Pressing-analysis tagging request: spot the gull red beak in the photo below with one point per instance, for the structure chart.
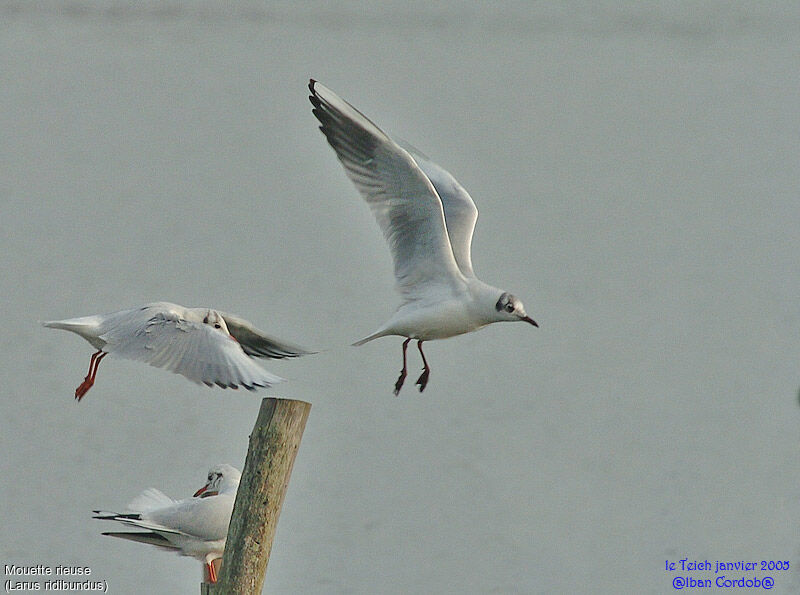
(201, 491)
(531, 321)
(204, 492)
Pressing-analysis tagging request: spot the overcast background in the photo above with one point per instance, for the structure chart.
(636, 169)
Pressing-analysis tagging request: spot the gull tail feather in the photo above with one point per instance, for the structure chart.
(85, 326)
(375, 335)
(70, 324)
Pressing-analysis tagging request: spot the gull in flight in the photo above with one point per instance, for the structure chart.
(206, 346)
(196, 526)
(427, 219)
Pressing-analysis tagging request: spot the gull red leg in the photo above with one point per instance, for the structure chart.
(87, 383)
(426, 371)
(212, 572)
(399, 384)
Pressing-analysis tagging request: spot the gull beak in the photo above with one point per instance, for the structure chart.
(530, 320)
(201, 491)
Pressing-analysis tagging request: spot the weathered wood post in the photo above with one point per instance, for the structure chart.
(273, 445)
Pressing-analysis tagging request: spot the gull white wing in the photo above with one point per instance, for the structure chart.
(402, 198)
(150, 499)
(204, 519)
(256, 343)
(164, 339)
(460, 212)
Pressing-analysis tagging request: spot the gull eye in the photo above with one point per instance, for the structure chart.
(509, 307)
(217, 325)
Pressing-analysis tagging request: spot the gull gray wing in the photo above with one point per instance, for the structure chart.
(200, 353)
(256, 343)
(460, 212)
(402, 198)
(144, 537)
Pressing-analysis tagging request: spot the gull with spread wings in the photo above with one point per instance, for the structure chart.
(427, 219)
(206, 346)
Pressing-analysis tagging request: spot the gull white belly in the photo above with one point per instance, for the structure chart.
(435, 321)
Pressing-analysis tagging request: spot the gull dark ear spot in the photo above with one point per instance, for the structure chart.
(205, 320)
(501, 303)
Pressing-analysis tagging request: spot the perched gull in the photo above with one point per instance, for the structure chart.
(204, 345)
(196, 526)
(427, 218)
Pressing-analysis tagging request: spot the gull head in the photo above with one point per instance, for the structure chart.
(509, 308)
(215, 320)
(221, 479)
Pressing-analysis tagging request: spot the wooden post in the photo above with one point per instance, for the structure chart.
(273, 445)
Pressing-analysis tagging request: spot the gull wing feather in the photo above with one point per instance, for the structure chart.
(460, 212)
(134, 520)
(164, 339)
(148, 537)
(256, 343)
(402, 198)
(150, 499)
(201, 518)
(205, 519)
